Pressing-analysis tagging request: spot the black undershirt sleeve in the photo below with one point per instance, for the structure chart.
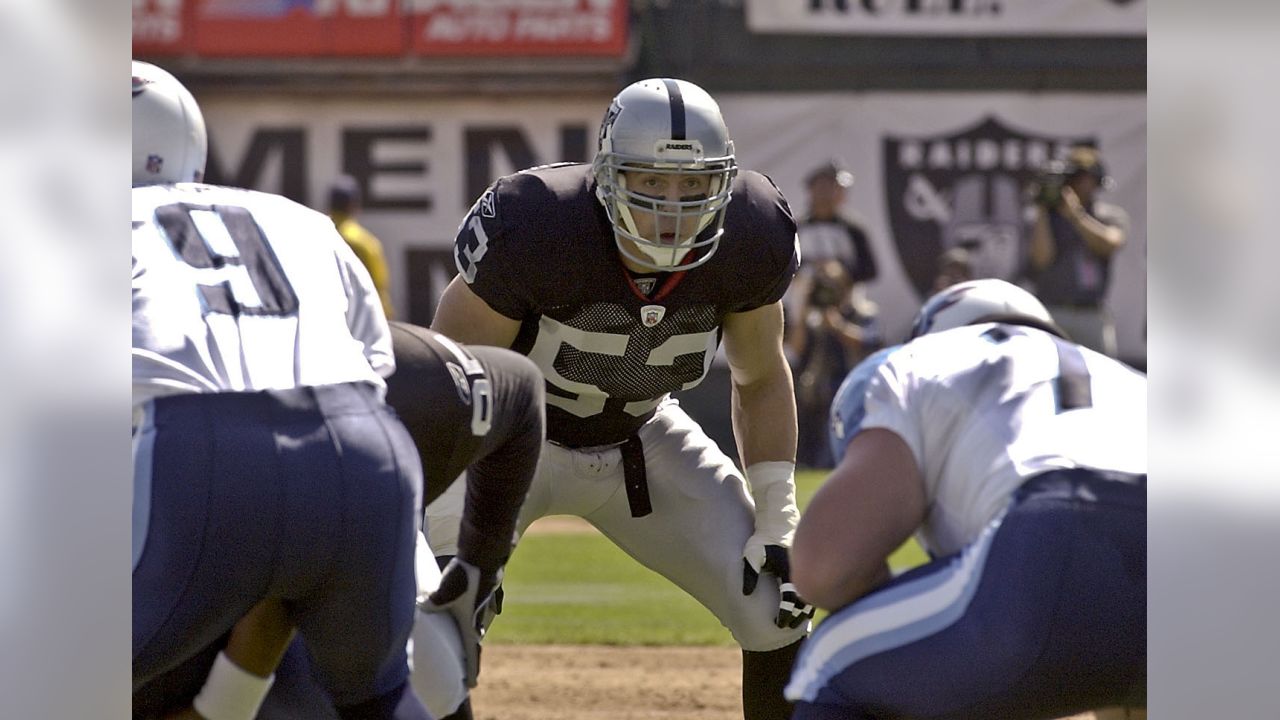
(499, 475)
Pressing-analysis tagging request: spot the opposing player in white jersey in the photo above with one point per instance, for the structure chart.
(1019, 460)
(268, 469)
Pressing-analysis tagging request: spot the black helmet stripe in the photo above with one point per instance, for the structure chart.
(677, 109)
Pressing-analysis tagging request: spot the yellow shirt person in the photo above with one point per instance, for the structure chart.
(344, 205)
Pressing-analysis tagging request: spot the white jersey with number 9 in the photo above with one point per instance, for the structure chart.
(259, 293)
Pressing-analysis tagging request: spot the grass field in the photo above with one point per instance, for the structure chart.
(577, 588)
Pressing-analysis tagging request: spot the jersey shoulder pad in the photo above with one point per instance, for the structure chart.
(759, 213)
(516, 231)
(760, 235)
(515, 219)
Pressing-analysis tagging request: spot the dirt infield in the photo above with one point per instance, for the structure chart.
(595, 682)
(590, 682)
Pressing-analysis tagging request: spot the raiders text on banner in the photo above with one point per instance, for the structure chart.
(948, 17)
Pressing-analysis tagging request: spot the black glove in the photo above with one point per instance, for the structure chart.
(468, 595)
(792, 609)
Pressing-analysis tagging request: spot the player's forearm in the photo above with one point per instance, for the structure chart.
(844, 583)
(496, 488)
(764, 418)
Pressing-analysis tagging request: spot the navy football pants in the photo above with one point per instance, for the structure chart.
(1043, 616)
(308, 495)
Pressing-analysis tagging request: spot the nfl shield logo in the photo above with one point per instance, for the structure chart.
(964, 189)
(154, 163)
(651, 315)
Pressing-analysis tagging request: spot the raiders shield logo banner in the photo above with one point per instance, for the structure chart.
(964, 189)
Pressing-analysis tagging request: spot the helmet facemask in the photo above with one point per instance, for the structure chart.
(694, 222)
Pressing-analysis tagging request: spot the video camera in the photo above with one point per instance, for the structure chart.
(826, 292)
(1046, 189)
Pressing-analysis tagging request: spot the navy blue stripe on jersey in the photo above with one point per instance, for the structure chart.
(677, 110)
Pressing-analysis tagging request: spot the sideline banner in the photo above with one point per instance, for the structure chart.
(948, 17)
(518, 27)
(353, 28)
(932, 170)
(935, 170)
(420, 163)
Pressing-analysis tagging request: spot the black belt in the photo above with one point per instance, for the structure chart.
(635, 477)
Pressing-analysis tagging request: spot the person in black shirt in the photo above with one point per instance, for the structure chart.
(1074, 237)
(831, 325)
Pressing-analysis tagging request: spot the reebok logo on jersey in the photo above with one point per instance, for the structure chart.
(487, 208)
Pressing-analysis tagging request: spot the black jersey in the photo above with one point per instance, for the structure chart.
(470, 408)
(538, 247)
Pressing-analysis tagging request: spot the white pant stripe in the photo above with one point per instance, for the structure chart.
(868, 627)
(144, 439)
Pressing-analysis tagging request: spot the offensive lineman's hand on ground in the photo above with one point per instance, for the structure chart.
(773, 559)
(467, 594)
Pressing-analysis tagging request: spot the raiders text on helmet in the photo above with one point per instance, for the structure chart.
(669, 127)
(169, 140)
(977, 301)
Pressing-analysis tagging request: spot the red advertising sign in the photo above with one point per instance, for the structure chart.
(284, 28)
(344, 28)
(518, 27)
(159, 27)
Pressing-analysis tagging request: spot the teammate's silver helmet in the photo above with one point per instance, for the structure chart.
(661, 125)
(169, 139)
(976, 301)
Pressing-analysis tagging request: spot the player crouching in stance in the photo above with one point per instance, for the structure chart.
(618, 279)
(1019, 460)
(478, 409)
(269, 474)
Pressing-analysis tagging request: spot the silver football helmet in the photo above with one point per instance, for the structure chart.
(669, 128)
(976, 301)
(170, 143)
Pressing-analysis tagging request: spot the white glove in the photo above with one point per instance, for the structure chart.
(467, 594)
(773, 487)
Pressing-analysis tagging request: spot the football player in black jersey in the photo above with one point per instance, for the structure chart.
(619, 279)
(473, 408)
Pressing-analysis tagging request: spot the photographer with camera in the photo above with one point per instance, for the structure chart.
(831, 325)
(830, 331)
(1073, 239)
